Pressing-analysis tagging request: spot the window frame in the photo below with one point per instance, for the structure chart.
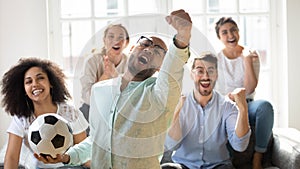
(276, 40)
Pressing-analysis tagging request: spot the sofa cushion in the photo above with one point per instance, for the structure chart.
(286, 149)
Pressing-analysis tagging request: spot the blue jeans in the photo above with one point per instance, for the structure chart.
(261, 115)
(85, 108)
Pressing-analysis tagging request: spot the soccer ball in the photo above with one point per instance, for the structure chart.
(50, 134)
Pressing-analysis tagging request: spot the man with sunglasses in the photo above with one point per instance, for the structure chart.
(129, 114)
(204, 121)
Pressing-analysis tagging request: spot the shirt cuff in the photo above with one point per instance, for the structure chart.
(80, 153)
(170, 143)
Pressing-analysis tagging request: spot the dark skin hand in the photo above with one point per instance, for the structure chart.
(65, 158)
(181, 21)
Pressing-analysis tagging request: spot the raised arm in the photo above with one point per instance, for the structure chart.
(171, 72)
(182, 23)
(251, 75)
(242, 123)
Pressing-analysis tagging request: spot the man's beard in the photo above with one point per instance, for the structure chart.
(144, 74)
(205, 92)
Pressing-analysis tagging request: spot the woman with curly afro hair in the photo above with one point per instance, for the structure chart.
(31, 88)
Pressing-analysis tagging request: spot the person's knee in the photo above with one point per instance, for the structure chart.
(266, 109)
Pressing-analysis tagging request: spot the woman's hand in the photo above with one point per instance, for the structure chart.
(110, 70)
(250, 56)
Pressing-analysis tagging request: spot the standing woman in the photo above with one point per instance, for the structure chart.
(239, 67)
(31, 88)
(104, 65)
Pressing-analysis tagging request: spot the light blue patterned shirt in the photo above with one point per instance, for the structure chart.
(205, 133)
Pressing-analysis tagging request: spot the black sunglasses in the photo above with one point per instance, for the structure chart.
(144, 41)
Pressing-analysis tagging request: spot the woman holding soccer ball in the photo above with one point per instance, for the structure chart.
(31, 88)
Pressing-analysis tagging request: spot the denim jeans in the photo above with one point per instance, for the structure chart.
(261, 115)
(85, 108)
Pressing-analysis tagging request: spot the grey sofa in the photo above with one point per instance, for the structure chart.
(283, 151)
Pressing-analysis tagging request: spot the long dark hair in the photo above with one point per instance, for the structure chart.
(15, 101)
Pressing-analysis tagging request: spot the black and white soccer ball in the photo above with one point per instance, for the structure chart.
(50, 134)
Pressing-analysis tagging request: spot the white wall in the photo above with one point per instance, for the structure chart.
(23, 32)
(293, 37)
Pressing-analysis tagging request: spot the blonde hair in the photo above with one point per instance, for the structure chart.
(103, 51)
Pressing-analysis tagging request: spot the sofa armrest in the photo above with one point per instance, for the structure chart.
(286, 148)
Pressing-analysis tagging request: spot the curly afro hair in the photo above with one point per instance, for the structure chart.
(15, 101)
